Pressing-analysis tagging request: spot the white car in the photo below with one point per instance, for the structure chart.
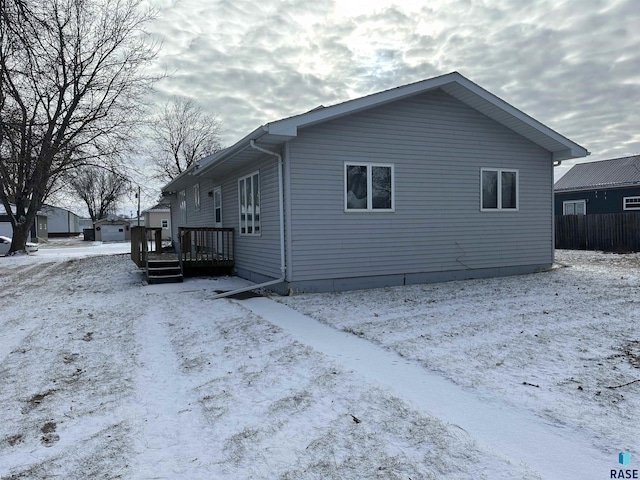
(5, 244)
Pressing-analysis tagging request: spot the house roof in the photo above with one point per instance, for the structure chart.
(612, 173)
(113, 221)
(3, 211)
(272, 135)
(46, 208)
(159, 207)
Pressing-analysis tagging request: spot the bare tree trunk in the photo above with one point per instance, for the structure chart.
(20, 237)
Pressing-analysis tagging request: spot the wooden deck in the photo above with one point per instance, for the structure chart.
(207, 249)
(200, 250)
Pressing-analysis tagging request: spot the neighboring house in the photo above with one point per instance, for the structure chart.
(112, 230)
(61, 222)
(38, 231)
(85, 223)
(431, 181)
(159, 216)
(606, 186)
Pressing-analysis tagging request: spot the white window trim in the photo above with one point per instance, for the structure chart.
(499, 207)
(253, 217)
(196, 197)
(164, 221)
(564, 205)
(624, 203)
(370, 208)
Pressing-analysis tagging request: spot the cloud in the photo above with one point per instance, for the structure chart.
(575, 68)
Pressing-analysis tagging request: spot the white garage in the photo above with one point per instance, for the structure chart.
(113, 233)
(117, 230)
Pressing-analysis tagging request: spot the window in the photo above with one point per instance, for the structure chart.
(498, 189)
(164, 223)
(574, 207)
(249, 195)
(368, 187)
(196, 197)
(631, 203)
(217, 206)
(182, 200)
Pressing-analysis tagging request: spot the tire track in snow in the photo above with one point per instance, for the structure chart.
(14, 335)
(175, 435)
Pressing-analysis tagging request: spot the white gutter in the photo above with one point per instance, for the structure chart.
(283, 267)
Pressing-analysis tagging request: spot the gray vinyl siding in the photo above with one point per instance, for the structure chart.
(175, 216)
(253, 254)
(438, 146)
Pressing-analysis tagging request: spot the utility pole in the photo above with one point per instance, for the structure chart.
(138, 197)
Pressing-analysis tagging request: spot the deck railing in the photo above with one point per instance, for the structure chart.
(206, 247)
(144, 241)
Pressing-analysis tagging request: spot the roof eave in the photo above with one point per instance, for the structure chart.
(570, 153)
(205, 164)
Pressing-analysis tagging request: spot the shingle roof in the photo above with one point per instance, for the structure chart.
(272, 136)
(616, 172)
(159, 207)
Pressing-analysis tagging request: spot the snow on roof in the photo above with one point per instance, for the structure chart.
(159, 207)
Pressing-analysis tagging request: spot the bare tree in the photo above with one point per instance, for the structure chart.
(100, 189)
(72, 76)
(182, 135)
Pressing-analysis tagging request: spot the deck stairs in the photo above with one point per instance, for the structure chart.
(164, 270)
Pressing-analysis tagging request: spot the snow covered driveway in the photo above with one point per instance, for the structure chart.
(103, 377)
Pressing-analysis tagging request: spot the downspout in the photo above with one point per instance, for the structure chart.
(283, 268)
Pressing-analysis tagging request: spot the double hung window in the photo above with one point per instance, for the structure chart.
(182, 201)
(249, 194)
(196, 197)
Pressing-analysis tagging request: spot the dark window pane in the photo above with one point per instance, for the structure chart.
(381, 187)
(489, 189)
(356, 187)
(509, 190)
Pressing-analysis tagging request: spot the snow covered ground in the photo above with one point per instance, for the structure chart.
(104, 377)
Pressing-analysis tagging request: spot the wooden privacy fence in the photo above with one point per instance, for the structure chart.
(603, 231)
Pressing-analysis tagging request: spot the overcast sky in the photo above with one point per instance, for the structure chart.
(573, 65)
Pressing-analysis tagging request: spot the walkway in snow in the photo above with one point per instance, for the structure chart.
(514, 433)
